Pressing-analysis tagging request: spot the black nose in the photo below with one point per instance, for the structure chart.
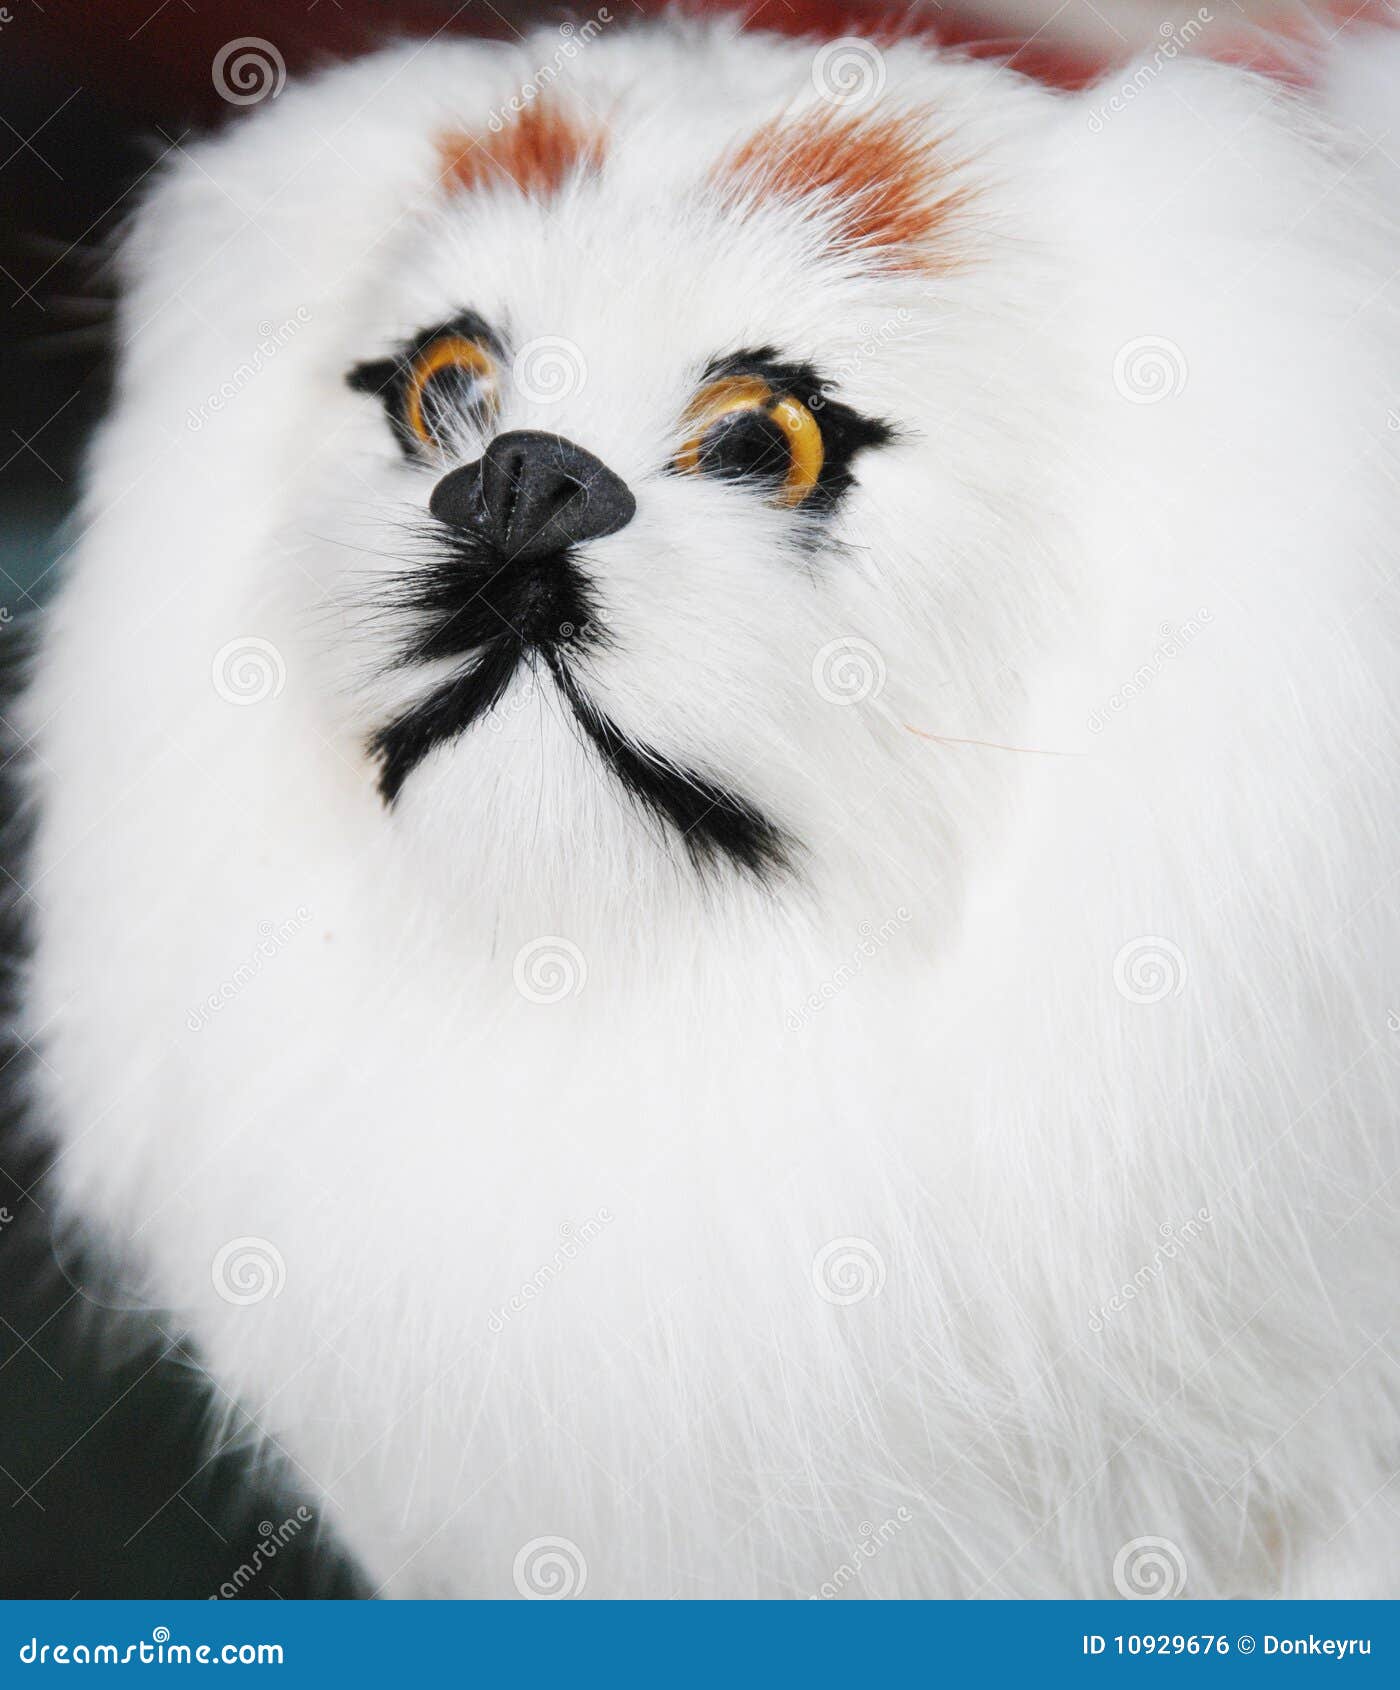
(533, 494)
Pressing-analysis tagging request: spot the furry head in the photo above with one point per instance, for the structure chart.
(712, 315)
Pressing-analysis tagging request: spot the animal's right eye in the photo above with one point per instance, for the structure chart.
(446, 379)
(450, 377)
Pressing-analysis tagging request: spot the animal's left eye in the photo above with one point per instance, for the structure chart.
(451, 375)
(738, 427)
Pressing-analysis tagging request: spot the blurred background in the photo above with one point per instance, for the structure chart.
(106, 1479)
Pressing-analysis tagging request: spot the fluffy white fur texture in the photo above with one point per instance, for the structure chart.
(1009, 1184)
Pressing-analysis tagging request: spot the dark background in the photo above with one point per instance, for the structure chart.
(106, 1482)
(107, 1486)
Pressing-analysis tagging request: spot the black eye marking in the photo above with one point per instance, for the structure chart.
(845, 431)
(390, 379)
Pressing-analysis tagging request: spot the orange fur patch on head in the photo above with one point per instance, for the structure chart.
(536, 152)
(878, 177)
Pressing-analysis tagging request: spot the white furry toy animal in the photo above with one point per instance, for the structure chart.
(731, 926)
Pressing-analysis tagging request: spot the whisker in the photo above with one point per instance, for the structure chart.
(989, 744)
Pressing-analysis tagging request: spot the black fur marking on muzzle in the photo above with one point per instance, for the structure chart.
(500, 617)
(495, 615)
(714, 825)
(445, 714)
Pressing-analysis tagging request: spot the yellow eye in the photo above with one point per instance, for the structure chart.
(738, 428)
(451, 375)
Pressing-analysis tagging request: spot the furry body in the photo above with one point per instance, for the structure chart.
(721, 1224)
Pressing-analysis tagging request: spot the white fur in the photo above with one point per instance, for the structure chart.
(927, 1040)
